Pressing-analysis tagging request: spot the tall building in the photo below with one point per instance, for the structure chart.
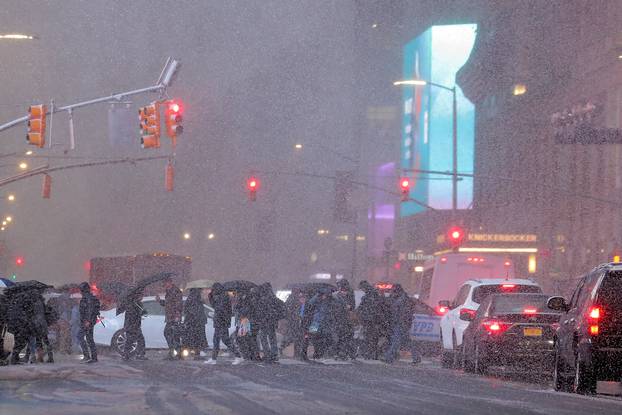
(529, 65)
(549, 204)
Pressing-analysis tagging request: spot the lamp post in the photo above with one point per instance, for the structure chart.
(454, 176)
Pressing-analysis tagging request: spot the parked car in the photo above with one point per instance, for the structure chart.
(588, 343)
(511, 330)
(109, 329)
(463, 308)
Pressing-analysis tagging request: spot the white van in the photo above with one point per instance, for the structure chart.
(445, 274)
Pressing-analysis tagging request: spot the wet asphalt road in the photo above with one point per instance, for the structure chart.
(191, 387)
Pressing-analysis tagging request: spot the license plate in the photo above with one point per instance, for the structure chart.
(532, 331)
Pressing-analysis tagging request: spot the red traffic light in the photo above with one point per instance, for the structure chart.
(19, 261)
(253, 185)
(405, 187)
(405, 183)
(455, 235)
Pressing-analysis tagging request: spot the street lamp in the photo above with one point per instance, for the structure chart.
(186, 235)
(454, 178)
(29, 153)
(211, 236)
(298, 146)
(9, 219)
(23, 165)
(11, 198)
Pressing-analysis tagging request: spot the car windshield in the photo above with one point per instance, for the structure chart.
(519, 303)
(484, 291)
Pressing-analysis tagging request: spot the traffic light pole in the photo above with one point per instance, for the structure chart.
(164, 81)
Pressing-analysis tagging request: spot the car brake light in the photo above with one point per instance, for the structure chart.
(595, 313)
(508, 286)
(530, 311)
(441, 310)
(494, 326)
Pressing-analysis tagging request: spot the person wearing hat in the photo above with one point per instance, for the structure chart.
(89, 312)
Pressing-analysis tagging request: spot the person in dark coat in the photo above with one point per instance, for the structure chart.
(269, 310)
(134, 311)
(89, 311)
(173, 308)
(223, 312)
(370, 315)
(402, 308)
(317, 323)
(194, 323)
(294, 326)
(26, 320)
(342, 311)
(246, 324)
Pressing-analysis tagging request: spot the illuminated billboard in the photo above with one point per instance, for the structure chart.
(436, 56)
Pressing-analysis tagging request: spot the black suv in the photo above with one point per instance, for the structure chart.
(588, 343)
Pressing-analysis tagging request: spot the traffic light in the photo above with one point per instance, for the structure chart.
(19, 261)
(173, 117)
(405, 188)
(149, 117)
(36, 125)
(253, 185)
(455, 235)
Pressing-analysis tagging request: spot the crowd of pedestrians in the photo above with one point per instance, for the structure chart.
(313, 315)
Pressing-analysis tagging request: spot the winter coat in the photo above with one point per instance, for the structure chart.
(134, 311)
(317, 314)
(173, 304)
(89, 309)
(194, 322)
(221, 303)
(370, 309)
(269, 309)
(401, 312)
(26, 314)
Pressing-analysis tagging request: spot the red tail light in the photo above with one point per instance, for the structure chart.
(441, 310)
(530, 311)
(594, 315)
(494, 326)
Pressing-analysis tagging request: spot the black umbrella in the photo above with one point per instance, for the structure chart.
(238, 285)
(140, 286)
(25, 286)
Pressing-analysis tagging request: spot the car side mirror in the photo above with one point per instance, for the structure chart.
(558, 304)
(467, 315)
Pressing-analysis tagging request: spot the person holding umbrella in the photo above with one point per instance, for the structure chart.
(134, 311)
(194, 323)
(89, 312)
(173, 308)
